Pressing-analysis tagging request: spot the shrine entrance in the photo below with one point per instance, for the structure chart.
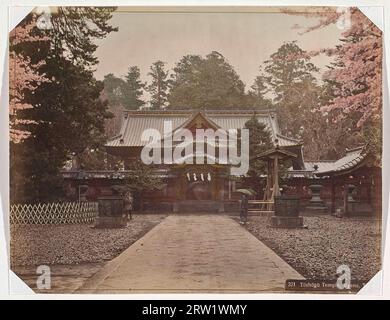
(199, 184)
(199, 188)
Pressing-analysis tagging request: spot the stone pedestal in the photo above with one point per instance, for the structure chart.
(316, 205)
(357, 208)
(287, 212)
(111, 212)
(286, 222)
(287, 206)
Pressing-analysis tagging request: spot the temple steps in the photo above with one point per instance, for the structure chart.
(196, 206)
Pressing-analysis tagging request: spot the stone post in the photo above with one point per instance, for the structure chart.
(111, 212)
(351, 189)
(83, 189)
(353, 206)
(287, 211)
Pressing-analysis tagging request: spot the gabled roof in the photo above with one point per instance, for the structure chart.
(198, 116)
(135, 122)
(282, 154)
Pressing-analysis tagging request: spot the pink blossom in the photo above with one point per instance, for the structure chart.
(23, 76)
(360, 60)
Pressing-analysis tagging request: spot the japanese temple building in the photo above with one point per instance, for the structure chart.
(211, 187)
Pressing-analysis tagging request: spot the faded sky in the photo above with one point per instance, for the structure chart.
(245, 39)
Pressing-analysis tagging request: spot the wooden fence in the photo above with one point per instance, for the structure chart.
(54, 213)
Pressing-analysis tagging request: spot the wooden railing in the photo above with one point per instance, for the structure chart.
(262, 207)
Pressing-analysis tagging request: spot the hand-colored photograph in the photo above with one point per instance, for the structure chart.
(195, 149)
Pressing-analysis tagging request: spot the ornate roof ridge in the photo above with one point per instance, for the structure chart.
(135, 121)
(361, 147)
(315, 161)
(288, 138)
(204, 111)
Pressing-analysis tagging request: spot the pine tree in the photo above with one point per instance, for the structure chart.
(288, 73)
(259, 142)
(133, 89)
(206, 83)
(67, 114)
(158, 89)
(291, 79)
(258, 92)
(114, 88)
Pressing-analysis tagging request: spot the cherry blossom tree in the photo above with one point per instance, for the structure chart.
(356, 73)
(23, 76)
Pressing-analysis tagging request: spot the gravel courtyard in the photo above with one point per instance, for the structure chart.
(75, 252)
(328, 242)
(33, 245)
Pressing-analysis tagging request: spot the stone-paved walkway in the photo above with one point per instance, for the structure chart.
(194, 253)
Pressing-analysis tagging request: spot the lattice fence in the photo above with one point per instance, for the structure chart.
(54, 213)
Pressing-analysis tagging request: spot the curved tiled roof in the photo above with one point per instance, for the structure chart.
(135, 122)
(353, 157)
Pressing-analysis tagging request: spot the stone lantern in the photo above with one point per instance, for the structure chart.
(316, 205)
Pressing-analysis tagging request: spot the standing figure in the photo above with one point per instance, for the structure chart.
(244, 209)
(128, 201)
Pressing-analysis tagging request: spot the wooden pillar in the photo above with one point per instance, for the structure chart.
(221, 206)
(265, 195)
(215, 180)
(345, 200)
(179, 190)
(222, 184)
(269, 183)
(276, 191)
(333, 198)
(269, 180)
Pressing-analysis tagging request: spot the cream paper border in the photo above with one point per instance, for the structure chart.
(12, 287)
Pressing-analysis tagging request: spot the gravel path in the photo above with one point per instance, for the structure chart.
(328, 242)
(33, 245)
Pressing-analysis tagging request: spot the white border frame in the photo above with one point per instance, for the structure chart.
(4, 154)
